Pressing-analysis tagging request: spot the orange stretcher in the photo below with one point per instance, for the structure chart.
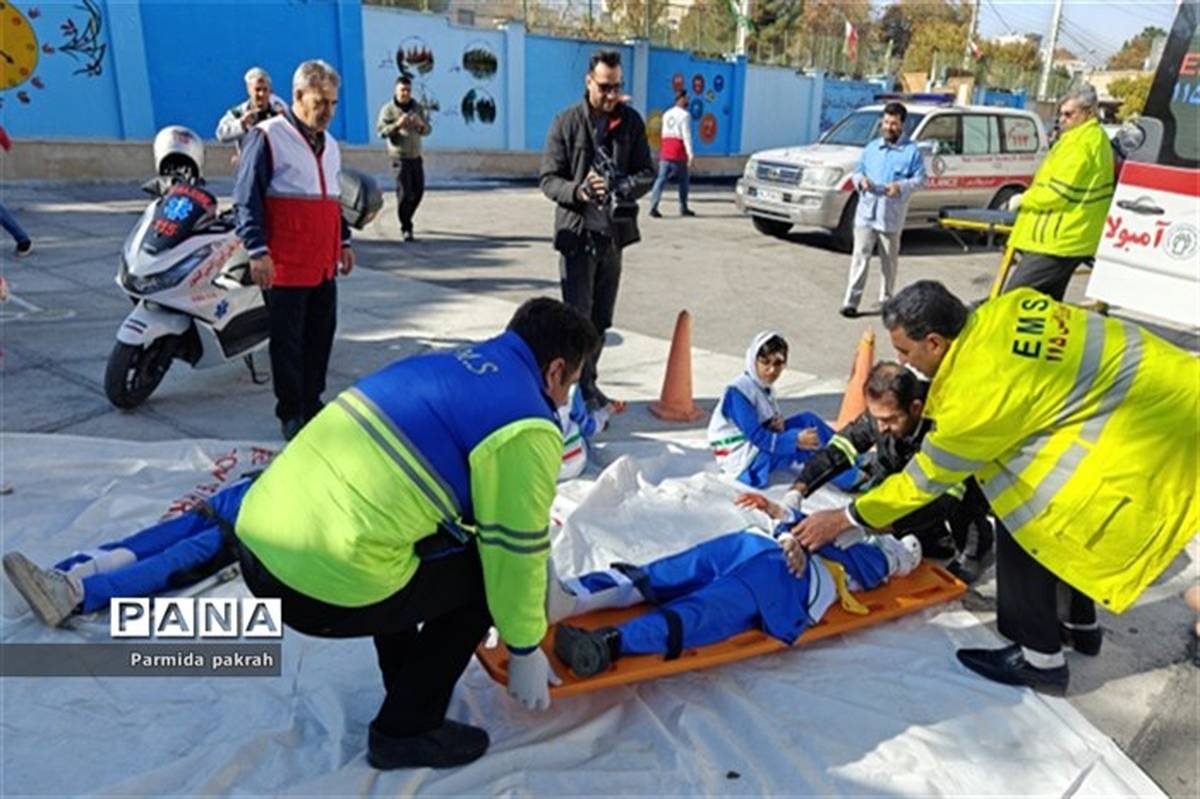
(927, 586)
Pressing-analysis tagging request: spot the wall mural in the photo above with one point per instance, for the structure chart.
(24, 43)
(415, 59)
(478, 105)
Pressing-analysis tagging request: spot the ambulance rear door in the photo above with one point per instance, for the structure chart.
(1149, 256)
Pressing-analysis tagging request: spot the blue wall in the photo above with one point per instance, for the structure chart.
(200, 51)
(843, 96)
(60, 84)
(712, 98)
(120, 69)
(554, 79)
(780, 108)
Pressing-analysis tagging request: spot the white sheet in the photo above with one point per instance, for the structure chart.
(885, 711)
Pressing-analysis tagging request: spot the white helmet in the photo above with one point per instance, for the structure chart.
(178, 151)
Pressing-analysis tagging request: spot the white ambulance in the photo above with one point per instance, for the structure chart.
(1149, 256)
(976, 156)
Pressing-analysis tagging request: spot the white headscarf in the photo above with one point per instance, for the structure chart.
(749, 383)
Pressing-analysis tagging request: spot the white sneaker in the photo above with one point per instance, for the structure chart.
(560, 603)
(903, 555)
(51, 594)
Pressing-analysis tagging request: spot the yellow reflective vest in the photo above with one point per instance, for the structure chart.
(1063, 211)
(1083, 431)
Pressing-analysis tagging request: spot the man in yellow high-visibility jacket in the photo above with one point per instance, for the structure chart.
(1082, 432)
(1061, 216)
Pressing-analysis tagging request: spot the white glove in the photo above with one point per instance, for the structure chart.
(529, 678)
(1014, 202)
(793, 499)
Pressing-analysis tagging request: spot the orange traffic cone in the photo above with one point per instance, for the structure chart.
(853, 401)
(675, 404)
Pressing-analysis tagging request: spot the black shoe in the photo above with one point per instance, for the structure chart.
(408, 236)
(1084, 640)
(24, 248)
(1008, 665)
(969, 569)
(452, 744)
(849, 311)
(654, 213)
(587, 652)
(291, 427)
(686, 212)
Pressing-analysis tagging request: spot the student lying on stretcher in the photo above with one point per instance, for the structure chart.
(717, 589)
(166, 556)
(748, 433)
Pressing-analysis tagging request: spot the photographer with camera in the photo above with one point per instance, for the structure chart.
(262, 104)
(596, 165)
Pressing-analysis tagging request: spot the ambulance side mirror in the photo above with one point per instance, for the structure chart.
(1141, 140)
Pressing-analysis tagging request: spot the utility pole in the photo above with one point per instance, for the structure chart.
(967, 54)
(1051, 46)
(743, 17)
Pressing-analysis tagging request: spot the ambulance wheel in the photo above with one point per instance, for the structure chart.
(771, 227)
(133, 372)
(1000, 201)
(843, 234)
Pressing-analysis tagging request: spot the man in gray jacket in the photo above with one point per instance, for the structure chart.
(596, 164)
(403, 122)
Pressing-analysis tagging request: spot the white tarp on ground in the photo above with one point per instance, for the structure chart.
(884, 711)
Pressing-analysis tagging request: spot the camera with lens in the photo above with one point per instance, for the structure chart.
(618, 199)
(261, 114)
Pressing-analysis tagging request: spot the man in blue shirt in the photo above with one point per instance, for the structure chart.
(888, 172)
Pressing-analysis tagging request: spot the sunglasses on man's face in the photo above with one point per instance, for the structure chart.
(608, 88)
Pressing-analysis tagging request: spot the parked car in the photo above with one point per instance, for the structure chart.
(974, 155)
(1148, 258)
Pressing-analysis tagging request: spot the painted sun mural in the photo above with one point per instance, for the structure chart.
(23, 44)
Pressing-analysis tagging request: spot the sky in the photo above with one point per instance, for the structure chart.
(1091, 29)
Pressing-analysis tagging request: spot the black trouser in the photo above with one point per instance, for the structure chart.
(590, 279)
(1049, 274)
(1030, 599)
(964, 519)
(302, 324)
(419, 666)
(410, 188)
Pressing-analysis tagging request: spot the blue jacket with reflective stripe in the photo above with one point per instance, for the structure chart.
(461, 397)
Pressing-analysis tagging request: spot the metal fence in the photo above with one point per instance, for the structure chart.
(705, 27)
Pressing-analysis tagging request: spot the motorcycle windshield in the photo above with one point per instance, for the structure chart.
(176, 215)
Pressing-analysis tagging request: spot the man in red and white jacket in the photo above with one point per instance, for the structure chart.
(675, 155)
(289, 218)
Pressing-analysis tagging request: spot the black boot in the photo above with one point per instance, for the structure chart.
(587, 652)
(1008, 665)
(452, 744)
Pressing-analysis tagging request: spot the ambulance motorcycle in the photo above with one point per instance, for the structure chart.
(189, 276)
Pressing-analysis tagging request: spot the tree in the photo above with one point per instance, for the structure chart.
(896, 28)
(947, 39)
(708, 27)
(1132, 92)
(639, 18)
(1133, 53)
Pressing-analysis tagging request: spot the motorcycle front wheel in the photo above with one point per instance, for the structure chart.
(134, 372)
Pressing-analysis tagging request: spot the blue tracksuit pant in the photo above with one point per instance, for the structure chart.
(731, 584)
(758, 473)
(164, 551)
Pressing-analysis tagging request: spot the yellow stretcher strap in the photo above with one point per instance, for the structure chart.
(849, 602)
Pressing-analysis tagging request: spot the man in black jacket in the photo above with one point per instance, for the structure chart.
(596, 164)
(890, 431)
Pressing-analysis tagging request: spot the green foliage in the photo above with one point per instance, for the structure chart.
(1135, 51)
(1132, 92)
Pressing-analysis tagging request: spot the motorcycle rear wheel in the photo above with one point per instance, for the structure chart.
(133, 372)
